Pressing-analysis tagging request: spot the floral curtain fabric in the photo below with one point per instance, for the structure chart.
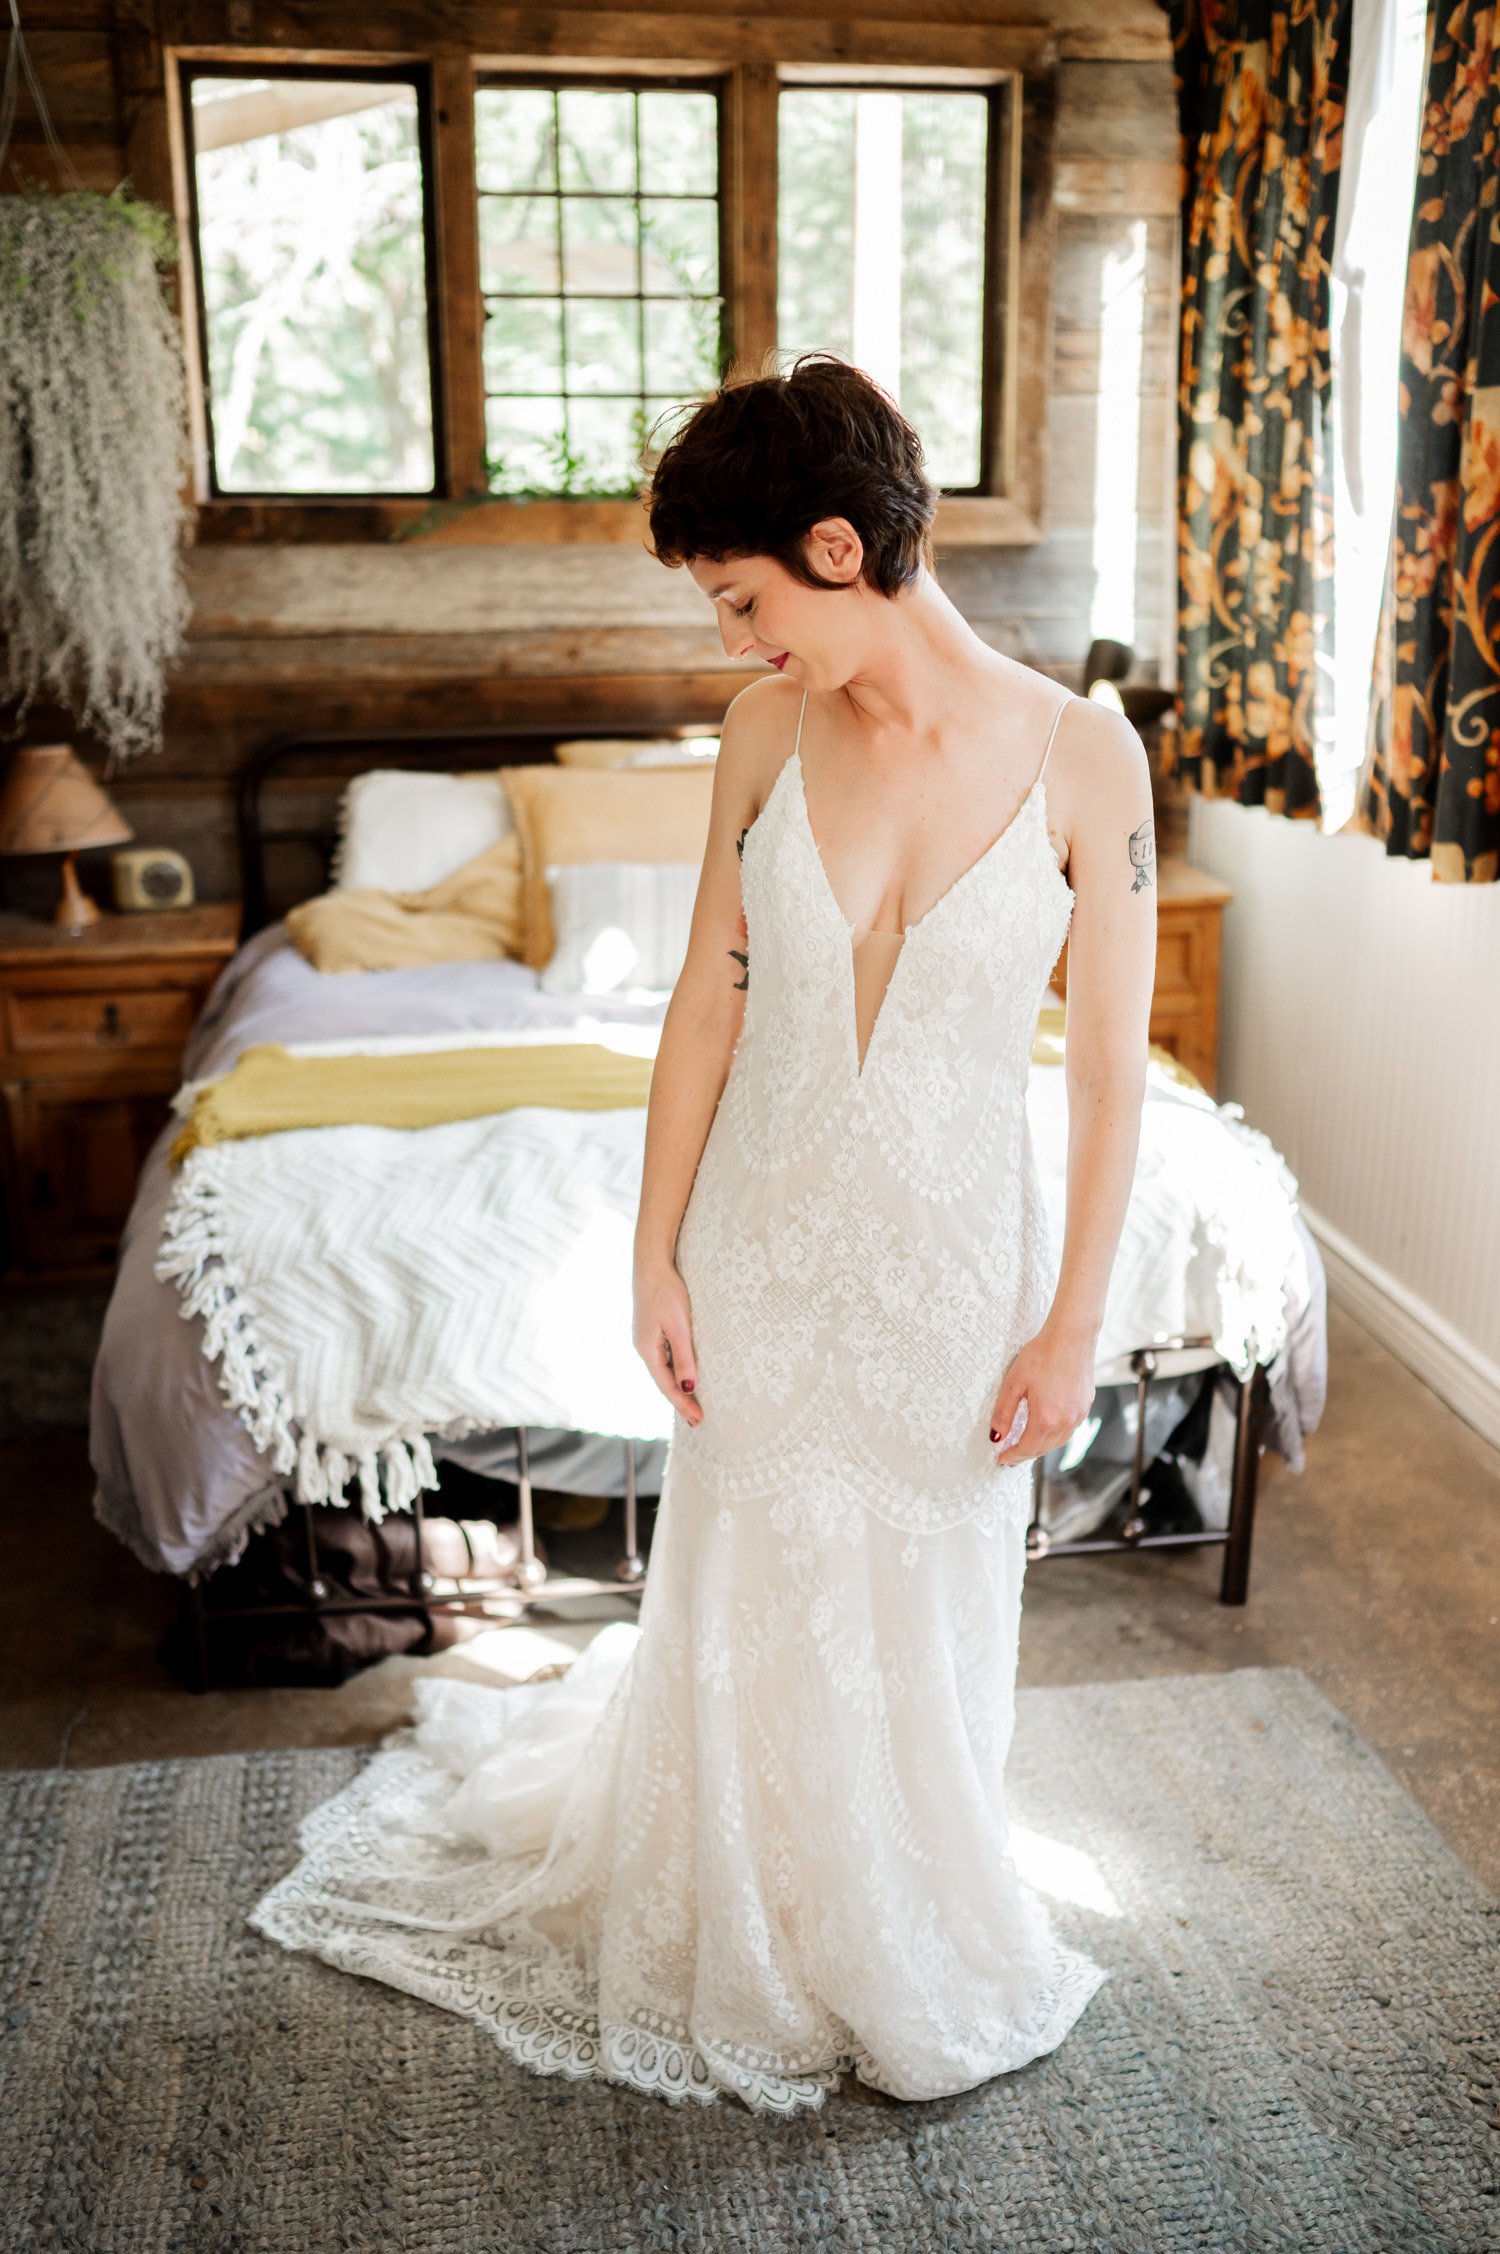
(1430, 786)
(1260, 95)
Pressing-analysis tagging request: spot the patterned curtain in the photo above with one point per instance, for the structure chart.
(1260, 97)
(1431, 779)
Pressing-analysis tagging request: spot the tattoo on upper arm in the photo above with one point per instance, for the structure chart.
(1143, 855)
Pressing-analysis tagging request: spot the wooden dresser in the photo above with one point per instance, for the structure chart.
(1190, 906)
(92, 1027)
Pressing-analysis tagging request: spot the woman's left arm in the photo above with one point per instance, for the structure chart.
(1106, 805)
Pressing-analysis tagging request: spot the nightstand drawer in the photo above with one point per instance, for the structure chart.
(1183, 938)
(153, 1018)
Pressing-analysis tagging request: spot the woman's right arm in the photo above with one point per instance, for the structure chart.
(698, 1034)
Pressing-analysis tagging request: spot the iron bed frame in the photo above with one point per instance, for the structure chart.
(534, 1589)
(531, 1587)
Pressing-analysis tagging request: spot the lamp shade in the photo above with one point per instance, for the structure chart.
(50, 803)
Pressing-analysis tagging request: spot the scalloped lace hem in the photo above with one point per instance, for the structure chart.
(568, 2041)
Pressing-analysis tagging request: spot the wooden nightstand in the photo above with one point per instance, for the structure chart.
(92, 1027)
(1190, 906)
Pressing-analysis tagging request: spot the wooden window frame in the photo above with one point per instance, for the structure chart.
(376, 71)
(750, 59)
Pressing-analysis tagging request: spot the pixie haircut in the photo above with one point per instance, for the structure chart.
(759, 462)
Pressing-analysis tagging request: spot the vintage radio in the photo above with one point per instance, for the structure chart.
(151, 876)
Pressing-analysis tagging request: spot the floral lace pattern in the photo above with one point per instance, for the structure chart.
(866, 1249)
(761, 1840)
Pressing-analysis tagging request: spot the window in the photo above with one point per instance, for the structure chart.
(883, 224)
(599, 246)
(311, 229)
(432, 283)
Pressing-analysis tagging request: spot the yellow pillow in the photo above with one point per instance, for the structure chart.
(567, 815)
(473, 916)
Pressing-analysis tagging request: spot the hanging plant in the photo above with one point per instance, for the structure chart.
(93, 462)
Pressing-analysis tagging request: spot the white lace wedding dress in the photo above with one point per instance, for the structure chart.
(762, 1838)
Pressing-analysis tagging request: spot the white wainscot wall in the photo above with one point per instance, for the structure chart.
(1361, 1032)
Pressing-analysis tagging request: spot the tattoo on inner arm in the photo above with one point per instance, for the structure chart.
(736, 955)
(1143, 855)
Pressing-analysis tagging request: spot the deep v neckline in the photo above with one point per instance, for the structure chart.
(908, 931)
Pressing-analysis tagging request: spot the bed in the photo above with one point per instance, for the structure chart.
(1214, 1345)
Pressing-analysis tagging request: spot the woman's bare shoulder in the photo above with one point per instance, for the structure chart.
(760, 730)
(1098, 752)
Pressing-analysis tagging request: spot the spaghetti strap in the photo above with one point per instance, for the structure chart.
(1052, 732)
(801, 716)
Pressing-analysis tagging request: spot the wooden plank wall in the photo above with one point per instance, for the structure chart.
(409, 635)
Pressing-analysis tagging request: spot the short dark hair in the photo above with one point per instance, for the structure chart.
(760, 461)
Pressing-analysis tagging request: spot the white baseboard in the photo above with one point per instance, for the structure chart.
(1415, 1333)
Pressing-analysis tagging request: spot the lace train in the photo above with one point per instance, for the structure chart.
(747, 1847)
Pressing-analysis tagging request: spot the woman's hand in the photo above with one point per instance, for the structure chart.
(1054, 1374)
(664, 1337)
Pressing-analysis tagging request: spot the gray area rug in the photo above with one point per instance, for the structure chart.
(1297, 2049)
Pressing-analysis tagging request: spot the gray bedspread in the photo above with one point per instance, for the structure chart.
(178, 1477)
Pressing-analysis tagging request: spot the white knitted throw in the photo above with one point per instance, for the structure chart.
(364, 1289)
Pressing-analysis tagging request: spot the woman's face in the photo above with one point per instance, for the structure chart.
(817, 636)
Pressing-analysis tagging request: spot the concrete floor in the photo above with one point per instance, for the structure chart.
(1377, 1572)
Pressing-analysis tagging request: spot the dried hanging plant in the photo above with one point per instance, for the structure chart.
(92, 462)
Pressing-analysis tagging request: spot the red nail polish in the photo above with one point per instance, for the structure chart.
(994, 1435)
(687, 1385)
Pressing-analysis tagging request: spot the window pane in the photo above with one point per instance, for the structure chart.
(599, 245)
(815, 223)
(523, 345)
(311, 234)
(881, 216)
(513, 138)
(637, 280)
(942, 278)
(604, 344)
(681, 247)
(524, 440)
(605, 442)
(597, 139)
(682, 344)
(518, 244)
(679, 144)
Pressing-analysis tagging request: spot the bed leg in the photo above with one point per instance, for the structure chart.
(196, 1619)
(422, 1583)
(1236, 1578)
(530, 1572)
(631, 1569)
(317, 1587)
(1143, 1362)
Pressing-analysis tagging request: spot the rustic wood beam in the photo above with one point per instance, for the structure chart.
(497, 34)
(749, 173)
(456, 282)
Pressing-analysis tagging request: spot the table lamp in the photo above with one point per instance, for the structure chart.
(50, 803)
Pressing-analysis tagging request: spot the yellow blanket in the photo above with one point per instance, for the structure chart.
(269, 1090)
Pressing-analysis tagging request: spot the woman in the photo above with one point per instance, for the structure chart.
(762, 1839)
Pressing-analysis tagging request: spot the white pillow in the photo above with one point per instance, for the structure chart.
(401, 830)
(634, 751)
(621, 926)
